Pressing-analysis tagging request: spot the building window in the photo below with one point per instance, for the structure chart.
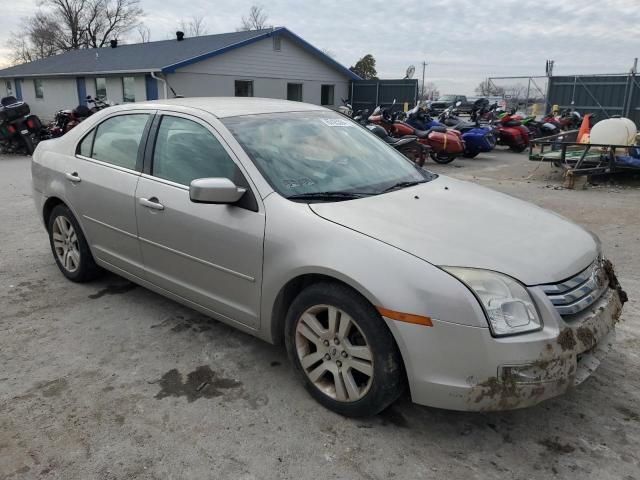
(326, 95)
(101, 88)
(128, 89)
(37, 86)
(244, 88)
(277, 43)
(294, 92)
(9, 89)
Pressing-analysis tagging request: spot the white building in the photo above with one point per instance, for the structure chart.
(273, 63)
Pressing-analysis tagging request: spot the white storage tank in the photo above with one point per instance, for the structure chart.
(614, 131)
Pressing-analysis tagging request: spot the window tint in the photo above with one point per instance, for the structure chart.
(37, 86)
(244, 88)
(101, 88)
(185, 150)
(118, 139)
(128, 89)
(294, 92)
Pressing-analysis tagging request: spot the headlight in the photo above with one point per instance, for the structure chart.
(507, 304)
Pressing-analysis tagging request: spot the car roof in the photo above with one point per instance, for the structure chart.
(223, 107)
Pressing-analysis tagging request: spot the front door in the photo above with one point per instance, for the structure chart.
(208, 254)
(101, 182)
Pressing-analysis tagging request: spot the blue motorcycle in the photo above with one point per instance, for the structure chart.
(476, 138)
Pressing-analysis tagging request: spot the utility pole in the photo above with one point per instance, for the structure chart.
(424, 66)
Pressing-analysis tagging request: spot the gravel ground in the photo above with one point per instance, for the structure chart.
(99, 381)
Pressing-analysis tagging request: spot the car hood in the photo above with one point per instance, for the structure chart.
(449, 222)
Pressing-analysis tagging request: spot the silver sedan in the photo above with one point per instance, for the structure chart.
(295, 224)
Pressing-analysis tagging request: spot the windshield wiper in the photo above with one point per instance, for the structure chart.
(328, 195)
(400, 185)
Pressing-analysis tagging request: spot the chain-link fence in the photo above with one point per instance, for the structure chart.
(525, 94)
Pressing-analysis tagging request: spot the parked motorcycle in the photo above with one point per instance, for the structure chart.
(477, 138)
(66, 119)
(445, 145)
(20, 131)
(511, 133)
(407, 145)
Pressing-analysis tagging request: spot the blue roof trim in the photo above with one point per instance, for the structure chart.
(282, 31)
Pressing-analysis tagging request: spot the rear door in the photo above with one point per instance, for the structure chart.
(101, 182)
(208, 254)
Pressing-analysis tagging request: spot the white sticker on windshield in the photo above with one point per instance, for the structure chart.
(336, 122)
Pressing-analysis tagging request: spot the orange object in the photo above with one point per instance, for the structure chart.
(583, 133)
(405, 317)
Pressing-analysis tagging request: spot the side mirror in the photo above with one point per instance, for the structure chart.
(215, 190)
(458, 103)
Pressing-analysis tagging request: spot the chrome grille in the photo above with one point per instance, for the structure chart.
(580, 291)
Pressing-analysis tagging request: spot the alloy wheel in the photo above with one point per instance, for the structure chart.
(334, 353)
(65, 244)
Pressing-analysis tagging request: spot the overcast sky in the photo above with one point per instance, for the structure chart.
(463, 41)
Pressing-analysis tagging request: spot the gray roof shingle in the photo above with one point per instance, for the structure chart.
(165, 55)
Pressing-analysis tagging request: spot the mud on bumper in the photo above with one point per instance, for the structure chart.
(576, 353)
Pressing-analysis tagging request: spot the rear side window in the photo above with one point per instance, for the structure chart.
(117, 140)
(84, 148)
(185, 150)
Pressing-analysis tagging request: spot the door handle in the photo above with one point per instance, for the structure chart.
(152, 203)
(73, 177)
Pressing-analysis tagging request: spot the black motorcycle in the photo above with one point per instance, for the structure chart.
(20, 131)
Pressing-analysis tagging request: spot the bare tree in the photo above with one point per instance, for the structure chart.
(487, 88)
(256, 20)
(144, 33)
(105, 20)
(430, 90)
(64, 25)
(194, 27)
(36, 39)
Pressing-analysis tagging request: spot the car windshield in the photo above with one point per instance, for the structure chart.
(322, 154)
(447, 98)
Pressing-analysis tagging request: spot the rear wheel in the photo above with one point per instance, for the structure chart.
(518, 148)
(344, 351)
(442, 157)
(70, 249)
(470, 154)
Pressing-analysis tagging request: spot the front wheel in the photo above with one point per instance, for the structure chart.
(69, 247)
(344, 351)
(470, 154)
(518, 148)
(442, 157)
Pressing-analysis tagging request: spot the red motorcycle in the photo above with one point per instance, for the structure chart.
(510, 132)
(445, 144)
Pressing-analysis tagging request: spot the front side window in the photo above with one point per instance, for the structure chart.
(294, 92)
(128, 89)
(244, 88)
(185, 150)
(37, 86)
(326, 95)
(117, 140)
(101, 88)
(305, 153)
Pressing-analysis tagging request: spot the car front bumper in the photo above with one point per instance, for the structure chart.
(458, 367)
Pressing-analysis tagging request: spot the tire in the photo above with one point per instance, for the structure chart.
(69, 246)
(518, 148)
(378, 378)
(442, 157)
(470, 154)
